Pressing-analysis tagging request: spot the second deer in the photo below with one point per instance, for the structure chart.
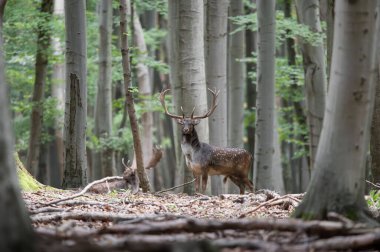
(204, 159)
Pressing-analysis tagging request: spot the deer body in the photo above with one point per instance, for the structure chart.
(204, 159)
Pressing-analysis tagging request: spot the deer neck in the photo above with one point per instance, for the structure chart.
(191, 139)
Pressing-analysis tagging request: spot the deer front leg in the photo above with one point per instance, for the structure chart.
(197, 182)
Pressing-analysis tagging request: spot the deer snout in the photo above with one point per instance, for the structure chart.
(186, 130)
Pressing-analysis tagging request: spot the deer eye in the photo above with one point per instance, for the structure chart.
(196, 121)
(180, 121)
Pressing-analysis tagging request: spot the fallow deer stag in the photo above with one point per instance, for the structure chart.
(204, 159)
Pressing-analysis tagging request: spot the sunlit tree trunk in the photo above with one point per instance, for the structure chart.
(176, 86)
(144, 182)
(58, 92)
(16, 231)
(236, 83)
(145, 89)
(43, 44)
(337, 184)
(265, 104)
(315, 73)
(103, 164)
(216, 74)
(75, 174)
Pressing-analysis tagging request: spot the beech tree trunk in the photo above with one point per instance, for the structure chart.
(43, 44)
(103, 164)
(145, 90)
(216, 75)
(315, 73)
(58, 92)
(265, 104)
(236, 83)
(16, 231)
(144, 183)
(176, 86)
(75, 174)
(337, 184)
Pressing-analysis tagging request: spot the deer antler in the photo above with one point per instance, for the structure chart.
(212, 108)
(162, 100)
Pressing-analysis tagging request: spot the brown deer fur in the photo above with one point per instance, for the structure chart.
(207, 160)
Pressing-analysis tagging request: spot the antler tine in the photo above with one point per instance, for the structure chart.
(192, 112)
(162, 100)
(213, 106)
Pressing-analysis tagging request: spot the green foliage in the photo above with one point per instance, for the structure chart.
(285, 28)
(147, 5)
(374, 199)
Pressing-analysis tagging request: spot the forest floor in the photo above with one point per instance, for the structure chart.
(121, 221)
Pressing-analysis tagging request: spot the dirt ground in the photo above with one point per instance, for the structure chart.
(121, 221)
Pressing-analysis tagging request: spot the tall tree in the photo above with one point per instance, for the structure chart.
(216, 75)
(337, 184)
(16, 230)
(129, 98)
(173, 27)
(104, 161)
(188, 69)
(236, 83)
(76, 95)
(145, 90)
(375, 125)
(265, 107)
(315, 73)
(43, 44)
(58, 92)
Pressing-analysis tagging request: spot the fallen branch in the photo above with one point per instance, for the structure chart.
(175, 187)
(372, 184)
(84, 190)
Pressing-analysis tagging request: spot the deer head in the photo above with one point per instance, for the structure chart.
(188, 122)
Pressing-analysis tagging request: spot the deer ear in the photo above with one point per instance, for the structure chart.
(180, 121)
(196, 121)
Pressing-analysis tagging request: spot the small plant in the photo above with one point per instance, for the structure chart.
(374, 199)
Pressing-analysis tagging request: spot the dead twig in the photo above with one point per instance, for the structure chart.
(175, 187)
(84, 190)
(373, 184)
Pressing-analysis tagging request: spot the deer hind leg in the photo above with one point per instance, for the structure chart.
(248, 183)
(237, 181)
(204, 181)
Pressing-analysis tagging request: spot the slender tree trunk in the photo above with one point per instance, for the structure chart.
(144, 183)
(375, 125)
(104, 160)
(216, 74)
(75, 174)
(16, 230)
(251, 47)
(173, 27)
(145, 89)
(327, 15)
(43, 44)
(337, 184)
(236, 83)
(264, 145)
(315, 73)
(58, 92)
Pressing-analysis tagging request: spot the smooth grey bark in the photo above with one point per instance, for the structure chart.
(75, 174)
(216, 75)
(236, 83)
(144, 182)
(375, 124)
(43, 44)
(16, 230)
(337, 184)
(176, 86)
(103, 164)
(315, 73)
(58, 92)
(145, 89)
(265, 107)
(327, 15)
(188, 72)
